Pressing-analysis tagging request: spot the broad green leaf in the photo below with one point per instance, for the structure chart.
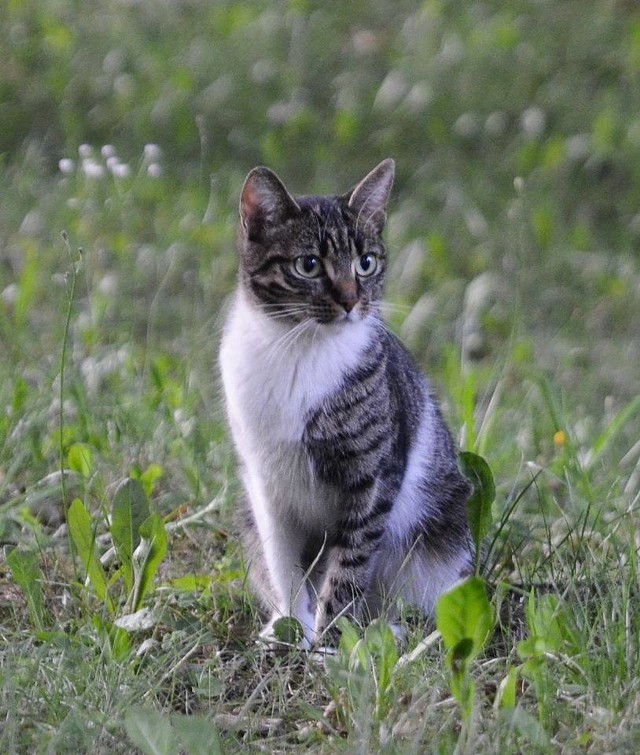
(506, 696)
(289, 630)
(191, 582)
(381, 643)
(461, 652)
(549, 626)
(148, 557)
(25, 567)
(465, 613)
(129, 510)
(117, 641)
(360, 656)
(150, 476)
(83, 535)
(478, 472)
(197, 735)
(80, 459)
(150, 731)
(349, 636)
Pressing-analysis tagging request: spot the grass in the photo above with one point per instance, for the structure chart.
(514, 235)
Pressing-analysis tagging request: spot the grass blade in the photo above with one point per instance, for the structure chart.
(26, 571)
(627, 413)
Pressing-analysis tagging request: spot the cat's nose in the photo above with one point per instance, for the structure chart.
(346, 296)
(349, 304)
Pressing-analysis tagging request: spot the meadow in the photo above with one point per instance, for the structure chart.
(126, 130)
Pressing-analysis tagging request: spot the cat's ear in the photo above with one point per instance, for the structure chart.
(264, 202)
(369, 199)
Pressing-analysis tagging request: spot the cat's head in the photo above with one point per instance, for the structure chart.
(316, 259)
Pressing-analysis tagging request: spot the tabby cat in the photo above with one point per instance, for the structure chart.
(355, 499)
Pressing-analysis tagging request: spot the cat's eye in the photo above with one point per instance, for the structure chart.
(367, 264)
(308, 265)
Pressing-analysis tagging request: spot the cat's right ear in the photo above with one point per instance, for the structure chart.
(264, 202)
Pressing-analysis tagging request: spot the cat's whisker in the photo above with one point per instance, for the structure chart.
(270, 308)
(280, 344)
(284, 303)
(386, 306)
(286, 341)
(286, 314)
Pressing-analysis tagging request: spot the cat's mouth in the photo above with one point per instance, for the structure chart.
(352, 315)
(337, 315)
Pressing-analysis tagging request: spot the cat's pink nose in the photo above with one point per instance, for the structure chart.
(346, 296)
(349, 304)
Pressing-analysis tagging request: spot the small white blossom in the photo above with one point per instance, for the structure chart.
(154, 170)
(66, 166)
(120, 170)
(92, 169)
(578, 147)
(107, 151)
(85, 150)
(10, 294)
(533, 122)
(152, 152)
(467, 125)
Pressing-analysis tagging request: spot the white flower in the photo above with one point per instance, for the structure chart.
(120, 170)
(92, 169)
(108, 150)
(152, 152)
(154, 170)
(533, 122)
(66, 166)
(85, 150)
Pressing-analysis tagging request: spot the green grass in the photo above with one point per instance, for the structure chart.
(515, 280)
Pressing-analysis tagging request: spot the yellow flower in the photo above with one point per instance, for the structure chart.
(560, 438)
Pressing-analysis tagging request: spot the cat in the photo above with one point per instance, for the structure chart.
(354, 496)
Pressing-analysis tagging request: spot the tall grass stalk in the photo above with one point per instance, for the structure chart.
(72, 275)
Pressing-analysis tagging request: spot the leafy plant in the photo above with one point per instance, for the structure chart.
(363, 673)
(550, 636)
(139, 539)
(465, 618)
(476, 469)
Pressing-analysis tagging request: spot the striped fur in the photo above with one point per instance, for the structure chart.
(354, 494)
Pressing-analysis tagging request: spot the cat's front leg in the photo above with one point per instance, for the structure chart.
(282, 544)
(351, 562)
(282, 551)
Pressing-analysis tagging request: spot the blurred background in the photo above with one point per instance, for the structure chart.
(126, 130)
(514, 227)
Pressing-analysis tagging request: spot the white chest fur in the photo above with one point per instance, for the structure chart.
(273, 378)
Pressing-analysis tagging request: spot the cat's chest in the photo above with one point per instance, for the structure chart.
(274, 376)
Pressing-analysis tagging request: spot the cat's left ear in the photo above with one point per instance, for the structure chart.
(369, 198)
(264, 202)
